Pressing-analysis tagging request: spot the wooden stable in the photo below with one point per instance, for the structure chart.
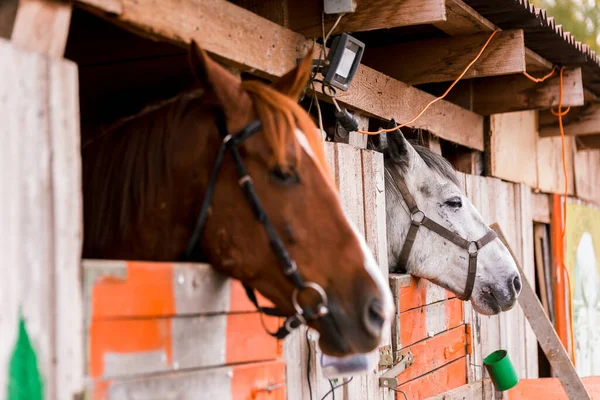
(131, 330)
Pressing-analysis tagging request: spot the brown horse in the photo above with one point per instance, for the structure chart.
(145, 179)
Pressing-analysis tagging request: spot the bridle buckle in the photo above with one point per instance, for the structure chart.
(473, 249)
(417, 217)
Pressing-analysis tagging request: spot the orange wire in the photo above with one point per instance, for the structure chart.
(543, 78)
(437, 98)
(560, 114)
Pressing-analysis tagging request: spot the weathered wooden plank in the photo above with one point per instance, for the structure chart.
(517, 93)
(256, 380)
(550, 169)
(509, 162)
(212, 22)
(579, 121)
(540, 204)
(305, 17)
(418, 293)
(68, 224)
(440, 60)
(482, 389)
(587, 175)
(590, 142)
(129, 347)
(546, 335)
(429, 320)
(42, 26)
(448, 377)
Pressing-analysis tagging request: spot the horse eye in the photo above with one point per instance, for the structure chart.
(285, 177)
(454, 202)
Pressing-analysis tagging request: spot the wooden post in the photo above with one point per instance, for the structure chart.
(545, 333)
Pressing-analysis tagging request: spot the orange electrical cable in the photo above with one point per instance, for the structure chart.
(437, 98)
(543, 78)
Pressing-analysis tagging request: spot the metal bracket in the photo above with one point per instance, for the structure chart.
(386, 359)
(389, 378)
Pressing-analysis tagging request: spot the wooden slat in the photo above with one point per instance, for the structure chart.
(591, 142)
(440, 60)
(40, 201)
(587, 175)
(8, 12)
(42, 26)
(482, 389)
(509, 162)
(212, 22)
(448, 377)
(261, 381)
(541, 207)
(549, 161)
(546, 335)
(536, 63)
(581, 121)
(305, 16)
(517, 93)
(423, 322)
(419, 293)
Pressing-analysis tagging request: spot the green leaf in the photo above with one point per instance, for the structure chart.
(24, 379)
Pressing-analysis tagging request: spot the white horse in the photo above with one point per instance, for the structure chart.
(432, 182)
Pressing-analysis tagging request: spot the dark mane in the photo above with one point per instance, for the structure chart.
(433, 160)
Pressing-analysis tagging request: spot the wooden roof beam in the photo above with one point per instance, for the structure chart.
(249, 42)
(305, 16)
(578, 122)
(591, 142)
(517, 93)
(441, 60)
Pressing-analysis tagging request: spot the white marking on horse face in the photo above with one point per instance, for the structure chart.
(369, 262)
(439, 260)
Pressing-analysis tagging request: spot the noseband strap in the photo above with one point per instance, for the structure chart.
(418, 219)
(230, 143)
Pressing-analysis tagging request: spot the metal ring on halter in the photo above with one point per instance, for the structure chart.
(227, 139)
(473, 249)
(321, 307)
(293, 268)
(244, 179)
(415, 220)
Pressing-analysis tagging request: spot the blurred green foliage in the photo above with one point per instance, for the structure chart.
(580, 17)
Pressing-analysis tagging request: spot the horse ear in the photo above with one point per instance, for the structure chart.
(213, 77)
(292, 84)
(396, 145)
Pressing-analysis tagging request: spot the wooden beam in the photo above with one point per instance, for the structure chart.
(462, 20)
(305, 16)
(42, 26)
(251, 43)
(590, 142)
(545, 333)
(579, 121)
(440, 60)
(540, 206)
(517, 93)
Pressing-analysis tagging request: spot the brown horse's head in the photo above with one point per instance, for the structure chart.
(157, 166)
(286, 163)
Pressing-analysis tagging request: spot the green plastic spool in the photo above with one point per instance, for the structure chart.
(501, 370)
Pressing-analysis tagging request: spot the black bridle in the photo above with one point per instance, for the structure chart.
(418, 219)
(230, 143)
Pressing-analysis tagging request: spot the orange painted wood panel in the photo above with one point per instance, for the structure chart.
(415, 295)
(259, 381)
(443, 379)
(431, 354)
(416, 324)
(550, 388)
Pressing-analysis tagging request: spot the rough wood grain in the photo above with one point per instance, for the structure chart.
(541, 207)
(549, 165)
(546, 335)
(587, 175)
(440, 60)
(42, 26)
(591, 142)
(579, 121)
(223, 29)
(448, 377)
(482, 389)
(305, 16)
(504, 159)
(550, 388)
(517, 93)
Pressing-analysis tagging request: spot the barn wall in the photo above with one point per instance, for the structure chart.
(40, 224)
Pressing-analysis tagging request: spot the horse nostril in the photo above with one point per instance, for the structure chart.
(517, 284)
(374, 317)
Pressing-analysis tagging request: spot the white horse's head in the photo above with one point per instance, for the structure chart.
(432, 182)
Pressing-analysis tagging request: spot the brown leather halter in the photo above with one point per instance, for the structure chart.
(418, 219)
